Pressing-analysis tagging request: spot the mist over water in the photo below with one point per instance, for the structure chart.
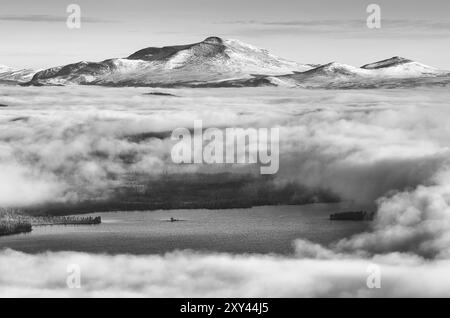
(69, 144)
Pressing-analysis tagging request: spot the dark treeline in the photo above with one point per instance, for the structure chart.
(194, 191)
(13, 222)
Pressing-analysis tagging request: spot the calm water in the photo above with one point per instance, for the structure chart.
(256, 230)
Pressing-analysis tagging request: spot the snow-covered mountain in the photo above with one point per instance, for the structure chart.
(213, 60)
(401, 67)
(216, 62)
(8, 74)
(393, 72)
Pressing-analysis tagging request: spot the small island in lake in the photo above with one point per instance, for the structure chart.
(12, 223)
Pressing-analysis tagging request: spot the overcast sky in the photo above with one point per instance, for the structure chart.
(34, 33)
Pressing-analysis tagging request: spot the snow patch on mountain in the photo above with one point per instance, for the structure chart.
(335, 69)
(8, 74)
(4, 68)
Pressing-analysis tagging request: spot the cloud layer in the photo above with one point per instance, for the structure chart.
(189, 274)
(384, 147)
(75, 144)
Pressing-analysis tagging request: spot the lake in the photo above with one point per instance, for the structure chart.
(267, 229)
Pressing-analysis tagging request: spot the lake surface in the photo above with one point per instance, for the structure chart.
(256, 230)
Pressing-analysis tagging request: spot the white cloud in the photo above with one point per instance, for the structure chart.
(189, 274)
(416, 221)
(360, 145)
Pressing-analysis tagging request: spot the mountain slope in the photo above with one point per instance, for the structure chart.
(8, 74)
(212, 60)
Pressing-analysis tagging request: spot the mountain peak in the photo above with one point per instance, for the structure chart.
(333, 65)
(333, 68)
(213, 40)
(393, 61)
(214, 43)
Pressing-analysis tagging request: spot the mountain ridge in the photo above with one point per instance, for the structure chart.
(217, 62)
(389, 73)
(213, 59)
